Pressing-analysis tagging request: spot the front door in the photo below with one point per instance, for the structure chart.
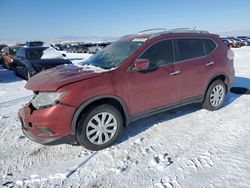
(159, 85)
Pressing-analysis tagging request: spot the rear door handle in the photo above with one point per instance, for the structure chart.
(173, 73)
(210, 63)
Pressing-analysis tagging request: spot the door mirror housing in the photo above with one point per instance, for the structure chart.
(141, 64)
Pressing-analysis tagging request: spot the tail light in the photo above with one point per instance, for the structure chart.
(230, 54)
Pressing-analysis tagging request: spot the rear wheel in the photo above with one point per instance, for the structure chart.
(215, 95)
(99, 127)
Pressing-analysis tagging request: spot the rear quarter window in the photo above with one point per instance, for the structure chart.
(210, 46)
(189, 48)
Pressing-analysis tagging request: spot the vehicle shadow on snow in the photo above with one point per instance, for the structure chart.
(7, 76)
(241, 86)
(142, 125)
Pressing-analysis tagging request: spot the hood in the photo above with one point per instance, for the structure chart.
(54, 78)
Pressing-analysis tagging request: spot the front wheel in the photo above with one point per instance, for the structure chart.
(99, 127)
(215, 96)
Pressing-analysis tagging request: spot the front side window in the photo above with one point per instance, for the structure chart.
(159, 54)
(189, 49)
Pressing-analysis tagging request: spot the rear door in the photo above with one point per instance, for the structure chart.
(196, 67)
(157, 86)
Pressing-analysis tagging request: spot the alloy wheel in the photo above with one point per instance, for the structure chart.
(217, 95)
(101, 128)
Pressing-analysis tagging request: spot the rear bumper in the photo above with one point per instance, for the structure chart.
(47, 126)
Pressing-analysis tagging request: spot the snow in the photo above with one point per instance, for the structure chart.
(94, 68)
(185, 147)
(76, 58)
(51, 53)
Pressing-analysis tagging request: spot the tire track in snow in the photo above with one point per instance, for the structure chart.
(69, 173)
(15, 101)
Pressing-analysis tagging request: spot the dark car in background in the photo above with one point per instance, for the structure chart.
(29, 61)
(1, 47)
(7, 54)
(80, 48)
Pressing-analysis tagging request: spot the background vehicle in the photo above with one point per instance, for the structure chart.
(237, 43)
(137, 76)
(34, 43)
(245, 38)
(1, 47)
(227, 42)
(7, 56)
(81, 48)
(94, 48)
(32, 60)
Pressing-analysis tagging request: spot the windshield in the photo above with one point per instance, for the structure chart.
(113, 55)
(13, 50)
(35, 53)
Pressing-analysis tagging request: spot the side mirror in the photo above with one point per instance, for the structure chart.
(141, 64)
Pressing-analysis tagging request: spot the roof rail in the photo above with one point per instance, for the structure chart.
(180, 28)
(166, 31)
(187, 30)
(149, 30)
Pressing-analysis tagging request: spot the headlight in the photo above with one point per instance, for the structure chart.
(44, 99)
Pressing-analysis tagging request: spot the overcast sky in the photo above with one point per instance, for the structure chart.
(48, 19)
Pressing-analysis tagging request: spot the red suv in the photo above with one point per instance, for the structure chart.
(137, 76)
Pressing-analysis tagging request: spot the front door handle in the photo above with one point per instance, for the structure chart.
(173, 73)
(210, 63)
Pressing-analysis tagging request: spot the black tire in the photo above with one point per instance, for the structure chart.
(210, 103)
(88, 118)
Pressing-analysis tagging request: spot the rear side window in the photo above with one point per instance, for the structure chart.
(159, 54)
(189, 49)
(209, 46)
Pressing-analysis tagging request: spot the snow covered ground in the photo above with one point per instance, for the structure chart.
(185, 147)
